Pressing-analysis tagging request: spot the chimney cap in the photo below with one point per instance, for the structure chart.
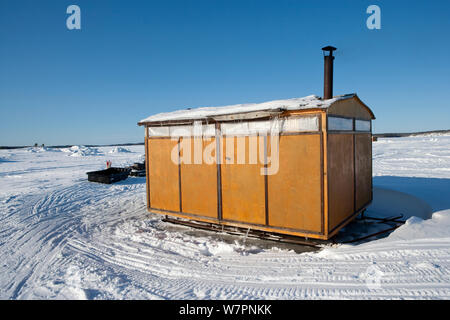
(329, 48)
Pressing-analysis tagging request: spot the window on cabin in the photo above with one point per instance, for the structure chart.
(340, 124)
(362, 125)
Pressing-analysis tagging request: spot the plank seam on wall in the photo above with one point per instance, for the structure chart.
(147, 164)
(328, 180)
(321, 176)
(266, 182)
(219, 172)
(354, 168)
(324, 136)
(322, 213)
(371, 164)
(179, 174)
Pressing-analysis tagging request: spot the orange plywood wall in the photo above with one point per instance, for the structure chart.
(295, 192)
(363, 169)
(163, 173)
(340, 178)
(199, 177)
(243, 189)
(321, 180)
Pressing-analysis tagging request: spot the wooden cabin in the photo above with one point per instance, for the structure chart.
(300, 166)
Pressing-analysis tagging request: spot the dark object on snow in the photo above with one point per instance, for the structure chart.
(138, 166)
(109, 175)
(138, 173)
(138, 169)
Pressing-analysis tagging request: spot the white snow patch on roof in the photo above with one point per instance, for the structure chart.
(309, 102)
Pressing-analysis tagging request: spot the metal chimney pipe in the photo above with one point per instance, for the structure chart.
(328, 72)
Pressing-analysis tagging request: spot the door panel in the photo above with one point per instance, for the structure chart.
(243, 187)
(363, 168)
(295, 192)
(199, 180)
(340, 178)
(163, 174)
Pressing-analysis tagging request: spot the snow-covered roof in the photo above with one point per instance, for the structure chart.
(309, 102)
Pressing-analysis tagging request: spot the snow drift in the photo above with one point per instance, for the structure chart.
(42, 149)
(82, 151)
(119, 150)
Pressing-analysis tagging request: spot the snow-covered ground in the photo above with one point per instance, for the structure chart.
(62, 237)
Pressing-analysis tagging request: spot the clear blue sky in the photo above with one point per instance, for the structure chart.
(132, 59)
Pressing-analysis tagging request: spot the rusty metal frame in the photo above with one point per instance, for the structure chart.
(248, 232)
(273, 227)
(235, 222)
(185, 214)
